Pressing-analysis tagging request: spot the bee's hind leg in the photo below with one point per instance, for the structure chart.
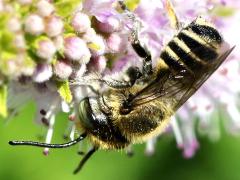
(138, 47)
(143, 52)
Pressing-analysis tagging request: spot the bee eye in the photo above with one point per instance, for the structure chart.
(85, 113)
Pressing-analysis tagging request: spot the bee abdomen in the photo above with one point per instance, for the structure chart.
(172, 61)
(200, 49)
(195, 47)
(185, 55)
(208, 33)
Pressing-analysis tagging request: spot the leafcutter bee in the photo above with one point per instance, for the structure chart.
(133, 111)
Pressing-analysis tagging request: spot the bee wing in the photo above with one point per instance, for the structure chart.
(171, 87)
(205, 76)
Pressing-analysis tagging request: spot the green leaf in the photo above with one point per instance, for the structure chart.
(132, 4)
(5, 57)
(223, 11)
(33, 44)
(3, 101)
(66, 8)
(6, 41)
(64, 91)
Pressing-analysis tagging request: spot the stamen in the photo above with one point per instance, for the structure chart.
(81, 149)
(72, 132)
(210, 126)
(234, 114)
(49, 134)
(45, 121)
(71, 117)
(176, 131)
(68, 131)
(150, 147)
(65, 107)
(129, 151)
(190, 143)
(43, 112)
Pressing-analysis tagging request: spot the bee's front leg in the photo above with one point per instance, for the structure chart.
(93, 81)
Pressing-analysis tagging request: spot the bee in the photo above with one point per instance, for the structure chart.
(134, 111)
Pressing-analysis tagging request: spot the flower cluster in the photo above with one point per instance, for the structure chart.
(45, 45)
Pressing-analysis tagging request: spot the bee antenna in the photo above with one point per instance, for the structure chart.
(84, 159)
(39, 144)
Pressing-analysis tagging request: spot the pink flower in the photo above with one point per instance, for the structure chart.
(100, 9)
(111, 24)
(81, 22)
(117, 43)
(62, 70)
(76, 49)
(42, 73)
(54, 26)
(46, 49)
(44, 8)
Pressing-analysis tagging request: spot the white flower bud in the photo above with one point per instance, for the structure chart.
(81, 22)
(8, 8)
(76, 49)
(44, 8)
(98, 63)
(19, 41)
(62, 70)
(99, 45)
(27, 71)
(1, 6)
(46, 49)
(54, 26)
(89, 35)
(12, 68)
(58, 42)
(14, 25)
(34, 24)
(42, 73)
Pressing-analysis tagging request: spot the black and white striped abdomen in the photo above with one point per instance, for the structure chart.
(194, 47)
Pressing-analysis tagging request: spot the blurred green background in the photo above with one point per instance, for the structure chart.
(220, 160)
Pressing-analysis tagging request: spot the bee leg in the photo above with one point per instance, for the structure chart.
(84, 159)
(140, 49)
(133, 73)
(145, 55)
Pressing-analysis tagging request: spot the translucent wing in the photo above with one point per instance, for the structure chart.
(198, 83)
(178, 87)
